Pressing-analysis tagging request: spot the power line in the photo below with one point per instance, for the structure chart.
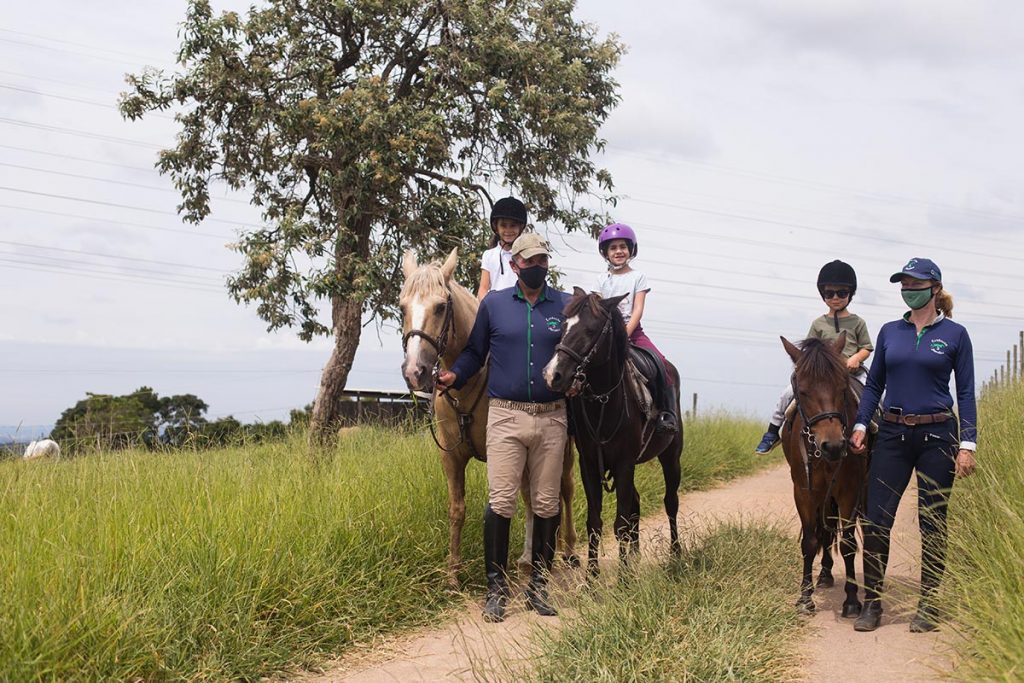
(118, 206)
(801, 226)
(118, 270)
(111, 181)
(891, 198)
(80, 100)
(71, 84)
(79, 133)
(127, 278)
(83, 159)
(114, 256)
(106, 221)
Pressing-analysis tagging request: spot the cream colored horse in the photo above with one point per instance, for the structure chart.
(430, 327)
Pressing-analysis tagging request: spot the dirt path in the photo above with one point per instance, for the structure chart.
(832, 648)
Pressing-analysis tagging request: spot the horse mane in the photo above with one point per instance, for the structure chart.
(820, 361)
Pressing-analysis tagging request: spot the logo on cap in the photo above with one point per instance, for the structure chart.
(911, 264)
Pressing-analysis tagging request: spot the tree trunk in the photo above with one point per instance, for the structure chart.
(346, 324)
(347, 321)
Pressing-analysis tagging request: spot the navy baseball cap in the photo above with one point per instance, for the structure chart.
(920, 268)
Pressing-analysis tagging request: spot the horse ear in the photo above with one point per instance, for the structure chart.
(613, 302)
(578, 291)
(409, 264)
(791, 349)
(448, 267)
(840, 343)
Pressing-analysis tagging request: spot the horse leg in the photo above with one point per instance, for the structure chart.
(634, 524)
(568, 524)
(672, 472)
(827, 540)
(592, 490)
(455, 473)
(524, 563)
(848, 548)
(625, 493)
(809, 543)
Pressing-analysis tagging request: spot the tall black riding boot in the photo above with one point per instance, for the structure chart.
(496, 562)
(665, 398)
(545, 532)
(933, 564)
(876, 556)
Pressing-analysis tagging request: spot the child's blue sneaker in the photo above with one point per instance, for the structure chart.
(768, 442)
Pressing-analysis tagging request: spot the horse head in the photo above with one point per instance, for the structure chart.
(428, 317)
(820, 386)
(593, 326)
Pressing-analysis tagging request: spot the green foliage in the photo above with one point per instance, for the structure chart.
(239, 562)
(721, 613)
(109, 422)
(362, 127)
(985, 585)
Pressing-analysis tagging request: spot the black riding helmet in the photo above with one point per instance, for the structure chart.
(508, 207)
(837, 273)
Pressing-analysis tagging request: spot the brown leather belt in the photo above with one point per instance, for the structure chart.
(912, 420)
(527, 407)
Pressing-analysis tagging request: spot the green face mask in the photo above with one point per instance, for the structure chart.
(917, 298)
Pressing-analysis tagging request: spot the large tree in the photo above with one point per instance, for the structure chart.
(362, 127)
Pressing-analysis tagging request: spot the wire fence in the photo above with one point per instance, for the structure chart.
(1012, 371)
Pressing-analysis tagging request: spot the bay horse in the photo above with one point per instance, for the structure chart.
(828, 480)
(437, 317)
(613, 434)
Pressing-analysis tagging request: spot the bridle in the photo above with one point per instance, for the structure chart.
(585, 392)
(440, 344)
(811, 447)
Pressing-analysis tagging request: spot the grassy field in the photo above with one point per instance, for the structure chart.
(723, 612)
(985, 585)
(241, 562)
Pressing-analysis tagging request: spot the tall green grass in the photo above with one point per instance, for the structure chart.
(722, 612)
(241, 562)
(985, 582)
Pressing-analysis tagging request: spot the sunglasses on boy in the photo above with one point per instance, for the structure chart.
(832, 293)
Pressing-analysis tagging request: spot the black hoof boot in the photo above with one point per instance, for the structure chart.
(572, 561)
(851, 610)
(494, 607)
(805, 607)
(870, 617)
(826, 580)
(537, 600)
(926, 619)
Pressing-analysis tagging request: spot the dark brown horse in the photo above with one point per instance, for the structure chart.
(828, 480)
(612, 431)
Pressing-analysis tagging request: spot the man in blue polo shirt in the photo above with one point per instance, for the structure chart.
(515, 332)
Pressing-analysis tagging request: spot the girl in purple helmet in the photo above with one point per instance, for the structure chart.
(618, 245)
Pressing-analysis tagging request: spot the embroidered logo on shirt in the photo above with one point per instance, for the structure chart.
(938, 346)
(554, 324)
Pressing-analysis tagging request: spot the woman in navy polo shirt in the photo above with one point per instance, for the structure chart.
(914, 359)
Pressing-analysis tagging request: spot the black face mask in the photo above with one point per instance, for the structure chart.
(534, 276)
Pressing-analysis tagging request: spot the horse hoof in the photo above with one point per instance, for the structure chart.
(851, 610)
(572, 560)
(805, 608)
(826, 581)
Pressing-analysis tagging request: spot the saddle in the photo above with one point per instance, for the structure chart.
(643, 371)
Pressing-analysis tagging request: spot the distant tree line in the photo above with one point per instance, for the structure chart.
(144, 419)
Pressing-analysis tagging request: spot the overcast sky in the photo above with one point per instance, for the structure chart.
(756, 140)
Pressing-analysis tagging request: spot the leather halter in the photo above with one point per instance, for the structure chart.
(440, 343)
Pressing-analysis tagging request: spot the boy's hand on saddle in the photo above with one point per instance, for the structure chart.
(852, 364)
(857, 442)
(445, 378)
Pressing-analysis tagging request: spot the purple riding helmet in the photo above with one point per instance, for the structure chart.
(617, 231)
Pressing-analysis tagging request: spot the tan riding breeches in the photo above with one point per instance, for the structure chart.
(516, 442)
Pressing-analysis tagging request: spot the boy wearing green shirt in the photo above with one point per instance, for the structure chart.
(837, 283)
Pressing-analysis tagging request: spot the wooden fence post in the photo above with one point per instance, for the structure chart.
(1013, 371)
(694, 412)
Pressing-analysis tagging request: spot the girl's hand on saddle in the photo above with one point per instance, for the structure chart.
(857, 442)
(965, 463)
(445, 378)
